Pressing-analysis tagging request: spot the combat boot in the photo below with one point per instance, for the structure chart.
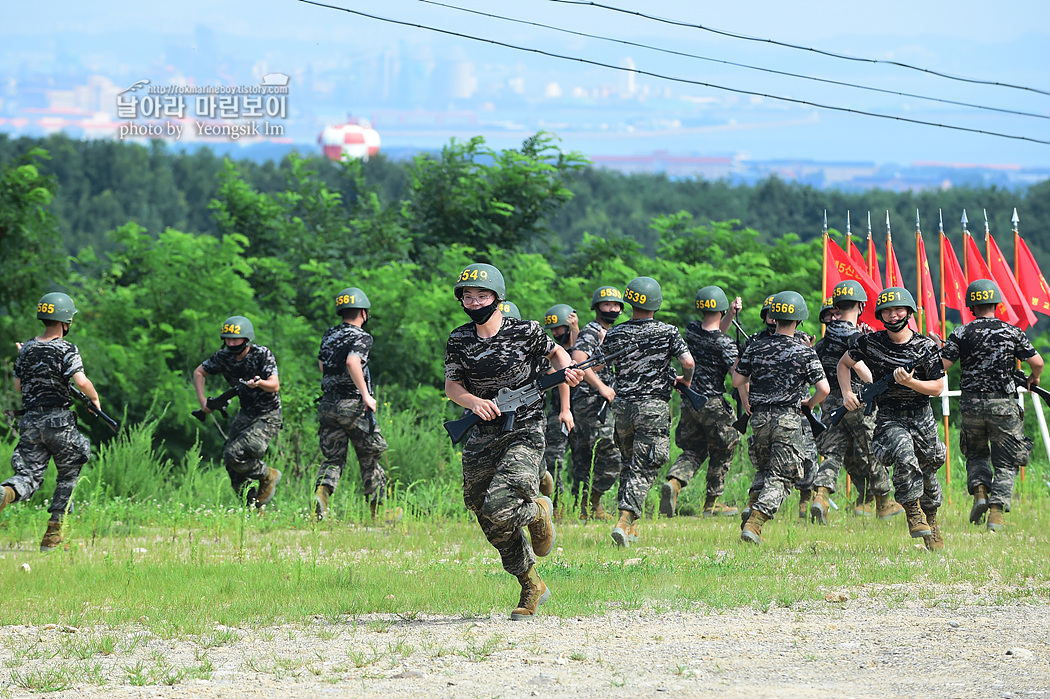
(52, 537)
(980, 504)
(267, 486)
(547, 484)
(918, 527)
(745, 514)
(886, 507)
(9, 497)
(803, 503)
(621, 532)
(712, 508)
(821, 506)
(559, 511)
(541, 528)
(669, 497)
(321, 495)
(391, 515)
(533, 593)
(863, 506)
(934, 542)
(597, 509)
(995, 518)
(752, 531)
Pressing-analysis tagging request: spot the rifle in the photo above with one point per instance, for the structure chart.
(815, 425)
(95, 412)
(218, 402)
(509, 400)
(868, 393)
(1019, 375)
(697, 400)
(371, 414)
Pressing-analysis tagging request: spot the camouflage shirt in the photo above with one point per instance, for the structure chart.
(338, 343)
(589, 342)
(514, 357)
(645, 370)
(259, 362)
(988, 348)
(831, 347)
(45, 368)
(714, 353)
(882, 355)
(781, 369)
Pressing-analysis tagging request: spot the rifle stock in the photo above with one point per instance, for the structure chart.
(741, 423)
(1037, 390)
(697, 400)
(371, 414)
(95, 412)
(457, 429)
(218, 402)
(815, 425)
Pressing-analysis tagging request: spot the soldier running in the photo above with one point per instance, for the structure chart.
(644, 381)
(992, 436)
(48, 429)
(347, 411)
(905, 430)
(501, 468)
(707, 432)
(244, 363)
(561, 321)
(773, 377)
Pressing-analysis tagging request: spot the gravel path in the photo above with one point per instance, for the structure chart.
(881, 644)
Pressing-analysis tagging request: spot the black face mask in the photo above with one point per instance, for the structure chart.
(65, 329)
(481, 315)
(771, 327)
(609, 316)
(233, 351)
(565, 339)
(898, 326)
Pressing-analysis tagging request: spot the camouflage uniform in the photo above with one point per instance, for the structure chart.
(48, 429)
(905, 429)
(557, 442)
(810, 458)
(780, 370)
(707, 432)
(259, 419)
(595, 457)
(849, 443)
(990, 413)
(343, 417)
(644, 381)
(501, 469)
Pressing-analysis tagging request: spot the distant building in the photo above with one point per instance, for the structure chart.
(355, 139)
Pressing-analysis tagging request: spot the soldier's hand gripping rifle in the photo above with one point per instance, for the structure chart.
(868, 393)
(95, 412)
(509, 400)
(219, 402)
(1020, 376)
(697, 400)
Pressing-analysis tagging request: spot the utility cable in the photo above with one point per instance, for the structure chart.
(686, 81)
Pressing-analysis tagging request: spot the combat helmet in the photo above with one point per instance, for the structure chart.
(351, 298)
(557, 315)
(237, 326)
(606, 293)
(829, 305)
(509, 309)
(644, 293)
(894, 297)
(712, 298)
(982, 291)
(56, 306)
(788, 305)
(766, 304)
(849, 290)
(481, 276)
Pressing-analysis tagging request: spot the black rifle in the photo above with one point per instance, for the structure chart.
(1019, 375)
(371, 414)
(741, 422)
(95, 412)
(509, 400)
(697, 400)
(815, 425)
(868, 393)
(218, 402)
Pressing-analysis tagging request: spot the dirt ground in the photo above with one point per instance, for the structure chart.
(869, 643)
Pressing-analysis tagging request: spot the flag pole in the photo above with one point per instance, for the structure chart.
(944, 328)
(966, 258)
(1017, 258)
(824, 268)
(871, 263)
(918, 278)
(889, 250)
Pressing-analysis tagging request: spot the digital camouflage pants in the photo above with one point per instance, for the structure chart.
(500, 483)
(596, 460)
(340, 424)
(993, 442)
(776, 450)
(908, 443)
(249, 438)
(554, 453)
(43, 435)
(643, 433)
(702, 434)
(810, 458)
(849, 445)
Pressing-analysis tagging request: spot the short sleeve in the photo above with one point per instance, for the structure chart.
(1024, 348)
(744, 366)
(952, 346)
(858, 348)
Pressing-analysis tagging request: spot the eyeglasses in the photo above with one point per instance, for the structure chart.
(479, 299)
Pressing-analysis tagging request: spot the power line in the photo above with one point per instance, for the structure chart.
(733, 63)
(822, 52)
(687, 81)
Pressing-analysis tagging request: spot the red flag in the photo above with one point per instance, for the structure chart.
(977, 269)
(929, 299)
(1008, 285)
(873, 262)
(839, 266)
(893, 270)
(1033, 285)
(856, 256)
(954, 281)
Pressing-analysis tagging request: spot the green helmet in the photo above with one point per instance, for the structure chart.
(606, 293)
(829, 305)
(509, 309)
(712, 298)
(56, 306)
(788, 305)
(351, 298)
(237, 326)
(481, 276)
(644, 293)
(893, 297)
(849, 290)
(765, 306)
(982, 291)
(556, 315)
